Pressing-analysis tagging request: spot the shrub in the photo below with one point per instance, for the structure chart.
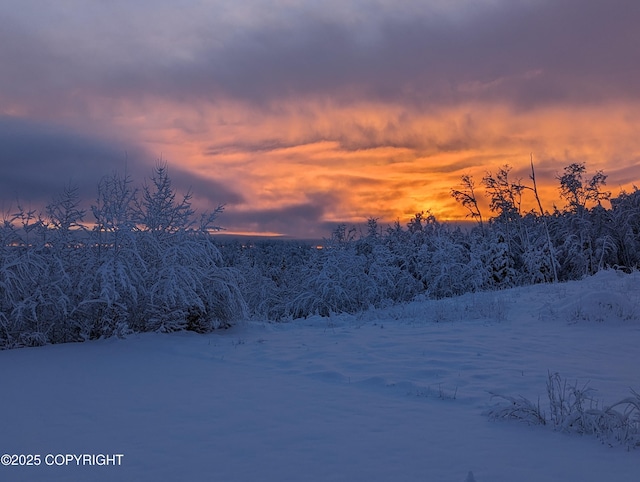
(572, 409)
(146, 265)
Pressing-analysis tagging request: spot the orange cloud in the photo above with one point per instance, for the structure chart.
(349, 162)
(383, 160)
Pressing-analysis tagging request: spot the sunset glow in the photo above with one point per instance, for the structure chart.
(298, 118)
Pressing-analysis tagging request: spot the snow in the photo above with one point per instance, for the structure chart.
(390, 394)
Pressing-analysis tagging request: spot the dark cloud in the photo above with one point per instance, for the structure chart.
(572, 51)
(297, 220)
(526, 53)
(37, 160)
(212, 191)
(623, 175)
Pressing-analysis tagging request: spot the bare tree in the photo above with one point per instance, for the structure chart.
(467, 197)
(578, 190)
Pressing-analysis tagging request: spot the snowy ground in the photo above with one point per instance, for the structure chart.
(395, 394)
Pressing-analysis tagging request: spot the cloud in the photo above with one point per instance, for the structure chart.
(379, 105)
(209, 192)
(305, 219)
(522, 53)
(38, 159)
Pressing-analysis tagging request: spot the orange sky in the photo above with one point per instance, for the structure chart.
(386, 161)
(298, 115)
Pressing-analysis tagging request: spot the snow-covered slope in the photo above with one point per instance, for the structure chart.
(394, 394)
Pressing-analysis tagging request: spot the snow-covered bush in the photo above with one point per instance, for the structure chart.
(270, 274)
(146, 264)
(625, 218)
(117, 285)
(335, 281)
(185, 286)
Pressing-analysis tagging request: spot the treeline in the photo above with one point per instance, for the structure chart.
(358, 269)
(147, 263)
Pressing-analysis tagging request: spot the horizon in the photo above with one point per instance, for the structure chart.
(299, 116)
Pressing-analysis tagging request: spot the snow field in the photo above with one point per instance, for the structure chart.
(389, 394)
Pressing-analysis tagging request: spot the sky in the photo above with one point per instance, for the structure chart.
(298, 115)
